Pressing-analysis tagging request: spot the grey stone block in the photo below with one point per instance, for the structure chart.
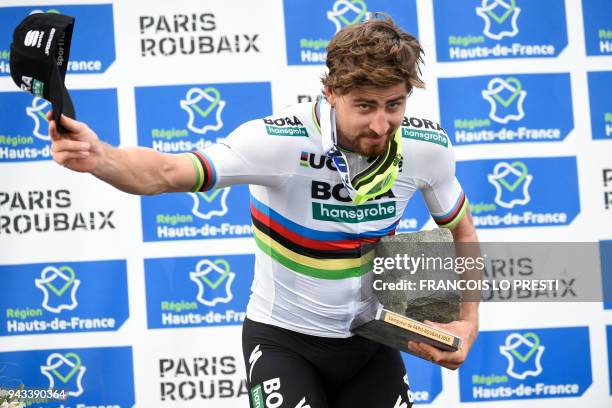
(434, 305)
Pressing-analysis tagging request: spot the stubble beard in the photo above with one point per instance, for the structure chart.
(364, 148)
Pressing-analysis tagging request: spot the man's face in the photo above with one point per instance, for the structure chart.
(367, 118)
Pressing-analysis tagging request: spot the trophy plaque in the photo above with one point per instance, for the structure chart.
(401, 313)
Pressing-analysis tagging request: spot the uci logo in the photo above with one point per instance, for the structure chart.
(33, 38)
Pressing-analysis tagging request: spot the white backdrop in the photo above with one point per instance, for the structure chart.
(130, 71)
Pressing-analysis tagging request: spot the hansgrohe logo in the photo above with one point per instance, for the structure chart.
(430, 136)
(353, 214)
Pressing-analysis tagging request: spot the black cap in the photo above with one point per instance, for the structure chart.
(39, 56)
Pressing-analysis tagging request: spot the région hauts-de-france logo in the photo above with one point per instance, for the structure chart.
(59, 287)
(204, 107)
(524, 353)
(500, 18)
(38, 112)
(348, 12)
(506, 97)
(208, 204)
(511, 182)
(65, 372)
(214, 280)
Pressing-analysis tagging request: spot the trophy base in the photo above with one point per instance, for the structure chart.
(395, 330)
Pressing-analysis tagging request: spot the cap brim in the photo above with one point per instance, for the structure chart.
(60, 99)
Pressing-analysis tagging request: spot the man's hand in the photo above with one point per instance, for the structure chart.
(79, 149)
(467, 325)
(466, 329)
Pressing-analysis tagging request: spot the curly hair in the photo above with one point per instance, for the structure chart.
(376, 53)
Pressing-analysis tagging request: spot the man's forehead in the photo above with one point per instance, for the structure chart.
(378, 93)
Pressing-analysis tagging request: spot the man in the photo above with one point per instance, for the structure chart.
(321, 197)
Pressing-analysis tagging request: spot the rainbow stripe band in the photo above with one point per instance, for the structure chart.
(316, 268)
(206, 175)
(452, 218)
(320, 254)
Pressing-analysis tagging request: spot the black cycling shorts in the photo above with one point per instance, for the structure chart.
(293, 370)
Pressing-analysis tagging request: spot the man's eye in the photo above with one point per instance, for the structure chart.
(394, 105)
(363, 106)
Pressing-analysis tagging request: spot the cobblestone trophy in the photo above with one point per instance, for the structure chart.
(405, 303)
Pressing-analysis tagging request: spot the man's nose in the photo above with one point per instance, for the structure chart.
(379, 124)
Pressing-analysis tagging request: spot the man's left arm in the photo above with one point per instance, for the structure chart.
(464, 234)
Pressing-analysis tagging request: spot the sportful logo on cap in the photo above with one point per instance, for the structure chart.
(33, 39)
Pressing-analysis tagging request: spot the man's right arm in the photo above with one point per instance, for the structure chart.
(135, 170)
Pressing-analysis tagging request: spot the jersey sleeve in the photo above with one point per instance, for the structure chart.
(441, 190)
(246, 156)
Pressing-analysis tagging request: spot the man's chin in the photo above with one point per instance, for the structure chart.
(372, 150)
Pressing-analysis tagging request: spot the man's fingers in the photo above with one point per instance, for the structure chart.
(70, 145)
(53, 133)
(71, 125)
(50, 115)
(63, 157)
(435, 354)
(444, 358)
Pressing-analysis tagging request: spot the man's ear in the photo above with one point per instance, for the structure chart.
(329, 96)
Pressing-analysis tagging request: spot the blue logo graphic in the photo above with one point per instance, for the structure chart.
(24, 126)
(89, 377)
(605, 255)
(198, 291)
(492, 29)
(416, 215)
(310, 27)
(600, 84)
(521, 192)
(174, 119)
(92, 49)
(63, 297)
(424, 378)
(609, 337)
(526, 364)
(597, 16)
(507, 108)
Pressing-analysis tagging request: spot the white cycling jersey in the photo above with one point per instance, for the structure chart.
(313, 256)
